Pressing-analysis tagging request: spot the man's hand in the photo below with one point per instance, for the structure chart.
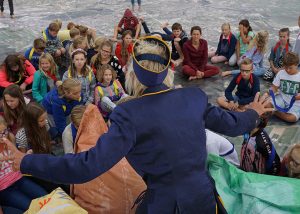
(14, 154)
(260, 104)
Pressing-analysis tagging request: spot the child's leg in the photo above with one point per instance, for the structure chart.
(132, 3)
(222, 101)
(218, 59)
(211, 54)
(288, 117)
(146, 29)
(107, 105)
(233, 72)
(20, 194)
(291, 116)
(188, 70)
(1, 5)
(139, 2)
(11, 7)
(258, 71)
(232, 60)
(31, 189)
(211, 70)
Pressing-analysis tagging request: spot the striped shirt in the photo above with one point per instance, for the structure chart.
(21, 138)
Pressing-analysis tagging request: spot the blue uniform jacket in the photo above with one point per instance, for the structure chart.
(59, 108)
(162, 135)
(34, 59)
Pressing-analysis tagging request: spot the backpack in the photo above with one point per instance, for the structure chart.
(258, 154)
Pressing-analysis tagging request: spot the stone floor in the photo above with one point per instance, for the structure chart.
(282, 134)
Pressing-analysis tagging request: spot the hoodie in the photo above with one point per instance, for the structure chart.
(129, 21)
(59, 108)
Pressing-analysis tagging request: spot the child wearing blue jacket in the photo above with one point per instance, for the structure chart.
(247, 86)
(226, 46)
(60, 101)
(33, 53)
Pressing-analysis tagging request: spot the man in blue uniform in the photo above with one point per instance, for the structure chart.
(161, 133)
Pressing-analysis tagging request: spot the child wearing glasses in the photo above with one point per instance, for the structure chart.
(247, 86)
(256, 52)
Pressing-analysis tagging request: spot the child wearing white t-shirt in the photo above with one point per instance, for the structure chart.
(218, 145)
(287, 83)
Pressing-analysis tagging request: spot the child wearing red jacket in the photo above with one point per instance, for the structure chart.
(16, 70)
(124, 49)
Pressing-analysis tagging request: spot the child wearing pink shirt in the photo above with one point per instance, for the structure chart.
(15, 190)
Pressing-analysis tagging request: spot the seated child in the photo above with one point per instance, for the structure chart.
(60, 101)
(244, 37)
(247, 87)
(45, 78)
(14, 104)
(258, 153)
(33, 53)
(162, 36)
(70, 132)
(218, 145)
(287, 83)
(179, 37)
(124, 48)
(196, 57)
(108, 91)
(74, 33)
(96, 49)
(296, 48)
(290, 164)
(129, 22)
(277, 53)
(16, 69)
(256, 52)
(81, 71)
(53, 44)
(88, 33)
(15, 190)
(226, 46)
(34, 133)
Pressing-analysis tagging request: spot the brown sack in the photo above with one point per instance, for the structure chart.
(114, 191)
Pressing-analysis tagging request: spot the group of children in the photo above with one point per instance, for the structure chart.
(65, 69)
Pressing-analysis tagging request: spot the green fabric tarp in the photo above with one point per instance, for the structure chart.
(245, 192)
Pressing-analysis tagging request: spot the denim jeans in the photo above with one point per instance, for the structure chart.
(20, 194)
(138, 1)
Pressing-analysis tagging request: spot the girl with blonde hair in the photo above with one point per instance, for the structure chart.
(60, 101)
(45, 78)
(256, 52)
